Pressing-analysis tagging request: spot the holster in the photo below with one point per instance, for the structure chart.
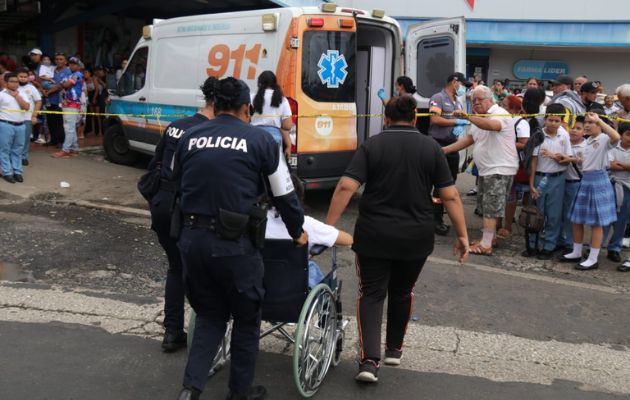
(231, 225)
(258, 225)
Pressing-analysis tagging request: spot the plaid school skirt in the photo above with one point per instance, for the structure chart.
(594, 203)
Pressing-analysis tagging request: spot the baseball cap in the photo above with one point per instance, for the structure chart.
(563, 80)
(590, 87)
(459, 77)
(36, 51)
(75, 60)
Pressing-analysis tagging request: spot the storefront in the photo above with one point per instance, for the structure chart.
(516, 40)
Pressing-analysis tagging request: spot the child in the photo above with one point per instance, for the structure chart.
(619, 158)
(594, 203)
(318, 233)
(572, 178)
(549, 160)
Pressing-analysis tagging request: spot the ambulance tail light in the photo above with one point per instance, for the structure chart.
(294, 117)
(346, 23)
(316, 22)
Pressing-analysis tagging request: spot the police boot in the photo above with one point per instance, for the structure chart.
(189, 394)
(174, 340)
(440, 227)
(253, 393)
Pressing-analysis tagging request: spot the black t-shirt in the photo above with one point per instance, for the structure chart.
(399, 167)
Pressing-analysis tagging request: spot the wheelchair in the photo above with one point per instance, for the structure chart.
(314, 315)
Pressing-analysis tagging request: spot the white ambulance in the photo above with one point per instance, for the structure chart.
(330, 62)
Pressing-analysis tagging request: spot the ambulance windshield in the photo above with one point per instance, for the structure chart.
(328, 66)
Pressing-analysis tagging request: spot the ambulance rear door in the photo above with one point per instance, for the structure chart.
(434, 50)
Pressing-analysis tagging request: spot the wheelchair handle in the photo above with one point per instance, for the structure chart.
(317, 249)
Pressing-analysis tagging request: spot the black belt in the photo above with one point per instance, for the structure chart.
(572, 180)
(12, 123)
(167, 185)
(199, 221)
(552, 174)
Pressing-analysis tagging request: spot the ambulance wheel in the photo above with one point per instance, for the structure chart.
(315, 340)
(117, 147)
(223, 352)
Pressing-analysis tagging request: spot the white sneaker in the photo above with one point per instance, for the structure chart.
(40, 140)
(625, 243)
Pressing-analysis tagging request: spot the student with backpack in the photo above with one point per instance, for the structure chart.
(594, 203)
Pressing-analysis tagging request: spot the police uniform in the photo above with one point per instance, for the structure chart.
(160, 206)
(220, 165)
(444, 105)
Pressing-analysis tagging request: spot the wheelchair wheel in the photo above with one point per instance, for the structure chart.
(223, 352)
(315, 340)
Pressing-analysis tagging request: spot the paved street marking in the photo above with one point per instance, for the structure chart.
(439, 349)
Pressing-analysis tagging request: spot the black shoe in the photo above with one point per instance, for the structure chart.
(544, 255)
(253, 393)
(564, 259)
(189, 394)
(19, 178)
(581, 267)
(624, 267)
(442, 229)
(529, 253)
(614, 256)
(24, 162)
(174, 340)
(8, 178)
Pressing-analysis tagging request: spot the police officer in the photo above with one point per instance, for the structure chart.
(160, 205)
(445, 129)
(221, 165)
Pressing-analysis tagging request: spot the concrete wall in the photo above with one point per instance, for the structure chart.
(609, 67)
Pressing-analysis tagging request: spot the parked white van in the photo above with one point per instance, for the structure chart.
(330, 62)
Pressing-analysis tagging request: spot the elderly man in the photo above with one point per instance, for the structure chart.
(496, 159)
(623, 94)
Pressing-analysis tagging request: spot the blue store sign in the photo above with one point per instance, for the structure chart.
(542, 70)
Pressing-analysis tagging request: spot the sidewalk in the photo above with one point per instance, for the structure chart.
(90, 176)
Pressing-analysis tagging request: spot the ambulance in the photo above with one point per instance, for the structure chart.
(330, 62)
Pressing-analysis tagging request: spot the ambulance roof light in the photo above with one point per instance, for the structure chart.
(376, 13)
(352, 11)
(269, 22)
(328, 7)
(315, 22)
(146, 32)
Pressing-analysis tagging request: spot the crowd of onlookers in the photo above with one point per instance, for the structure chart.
(71, 94)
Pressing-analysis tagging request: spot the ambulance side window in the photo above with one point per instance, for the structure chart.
(134, 77)
(435, 62)
(328, 66)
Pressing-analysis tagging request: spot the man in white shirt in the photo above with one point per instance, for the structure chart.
(29, 93)
(11, 130)
(496, 159)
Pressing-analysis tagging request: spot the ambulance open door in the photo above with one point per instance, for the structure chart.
(434, 50)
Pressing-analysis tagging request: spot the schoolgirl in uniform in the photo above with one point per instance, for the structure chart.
(594, 203)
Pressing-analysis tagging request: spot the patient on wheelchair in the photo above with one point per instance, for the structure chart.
(318, 233)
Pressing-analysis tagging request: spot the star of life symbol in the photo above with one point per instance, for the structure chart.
(332, 69)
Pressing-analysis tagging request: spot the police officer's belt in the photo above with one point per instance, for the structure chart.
(168, 185)
(200, 221)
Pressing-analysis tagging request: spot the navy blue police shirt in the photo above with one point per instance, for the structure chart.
(221, 164)
(168, 143)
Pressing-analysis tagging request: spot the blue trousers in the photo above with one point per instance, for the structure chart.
(28, 131)
(11, 147)
(550, 204)
(570, 190)
(619, 227)
(218, 287)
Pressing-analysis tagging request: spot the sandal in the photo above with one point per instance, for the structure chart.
(477, 248)
(504, 234)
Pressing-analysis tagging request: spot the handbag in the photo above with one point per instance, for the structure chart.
(531, 219)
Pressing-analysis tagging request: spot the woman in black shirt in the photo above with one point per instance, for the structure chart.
(394, 233)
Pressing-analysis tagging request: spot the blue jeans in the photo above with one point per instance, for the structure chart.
(28, 131)
(70, 128)
(550, 204)
(570, 190)
(619, 227)
(11, 147)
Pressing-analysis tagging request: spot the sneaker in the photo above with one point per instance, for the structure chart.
(625, 243)
(60, 154)
(368, 371)
(392, 357)
(40, 140)
(472, 192)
